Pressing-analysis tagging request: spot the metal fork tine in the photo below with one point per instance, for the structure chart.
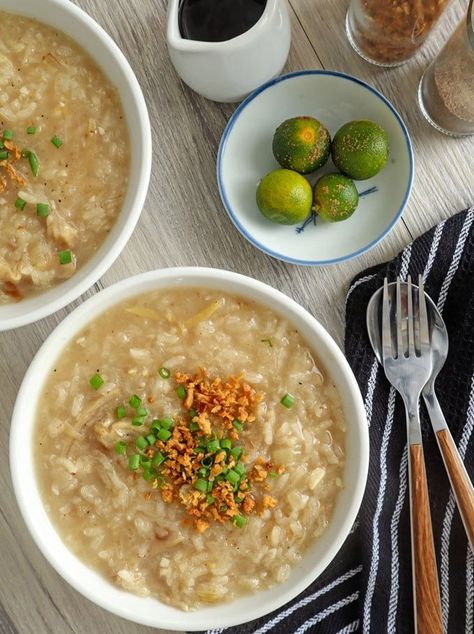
(411, 332)
(423, 316)
(386, 335)
(400, 346)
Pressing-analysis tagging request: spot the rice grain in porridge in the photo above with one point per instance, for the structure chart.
(60, 107)
(119, 523)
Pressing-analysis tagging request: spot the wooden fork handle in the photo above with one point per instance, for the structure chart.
(426, 588)
(460, 482)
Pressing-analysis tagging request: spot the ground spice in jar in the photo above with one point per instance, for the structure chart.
(446, 91)
(391, 31)
(454, 76)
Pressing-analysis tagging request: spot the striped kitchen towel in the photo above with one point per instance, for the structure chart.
(368, 587)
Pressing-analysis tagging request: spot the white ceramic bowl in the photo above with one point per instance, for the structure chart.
(245, 156)
(66, 17)
(147, 610)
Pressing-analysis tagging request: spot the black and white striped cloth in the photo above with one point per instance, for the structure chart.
(368, 587)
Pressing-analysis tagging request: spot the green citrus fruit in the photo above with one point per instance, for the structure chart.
(285, 197)
(360, 149)
(335, 197)
(302, 144)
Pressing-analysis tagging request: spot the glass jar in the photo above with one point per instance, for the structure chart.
(390, 32)
(446, 90)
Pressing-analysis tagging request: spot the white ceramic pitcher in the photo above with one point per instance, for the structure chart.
(228, 71)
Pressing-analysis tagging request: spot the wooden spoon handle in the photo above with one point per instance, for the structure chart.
(426, 588)
(460, 482)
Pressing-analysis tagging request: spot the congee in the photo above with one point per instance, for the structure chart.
(64, 157)
(189, 446)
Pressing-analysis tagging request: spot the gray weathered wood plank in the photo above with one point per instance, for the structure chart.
(184, 223)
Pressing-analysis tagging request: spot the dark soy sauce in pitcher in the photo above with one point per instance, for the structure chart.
(218, 20)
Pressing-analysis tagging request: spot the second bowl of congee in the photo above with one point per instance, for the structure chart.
(65, 159)
(192, 439)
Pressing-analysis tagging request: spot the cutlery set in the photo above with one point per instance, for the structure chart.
(410, 340)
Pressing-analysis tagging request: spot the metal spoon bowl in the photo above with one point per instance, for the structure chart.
(438, 333)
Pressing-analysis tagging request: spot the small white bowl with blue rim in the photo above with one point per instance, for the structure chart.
(245, 157)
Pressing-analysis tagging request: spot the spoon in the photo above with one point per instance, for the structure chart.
(439, 344)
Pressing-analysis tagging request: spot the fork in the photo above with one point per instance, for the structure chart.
(407, 365)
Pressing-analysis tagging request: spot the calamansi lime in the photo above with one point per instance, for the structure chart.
(302, 144)
(335, 197)
(284, 196)
(360, 149)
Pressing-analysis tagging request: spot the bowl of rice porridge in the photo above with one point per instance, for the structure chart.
(75, 156)
(189, 448)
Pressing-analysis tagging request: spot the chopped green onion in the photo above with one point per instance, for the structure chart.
(137, 421)
(213, 446)
(121, 448)
(33, 161)
(207, 462)
(141, 442)
(267, 341)
(155, 425)
(202, 472)
(164, 373)
(194, 426)
(226, 444)
(25, 153)
(166, 423)
(135, 401)
(120, 412)
(239, 467)
(134, 462)
(273, 474)
(56, 141)
(151, 439)
(148, 474)
(181, 392)
(2, 145)
(157, 459)
(141, 411)
(7, 135)
(201, 485)
(145, 461)
(223, 508)
(236, 452)
(210, 486)
(192, 413)
(288, 400)
(163, 435)
(239, 499)
(20, 203)
(210, 499)
(96, 381)
(31, 129)
(237, 424)
(239, 521)
(65, 257)
(42, 210)
(3, 155)
(232, 476)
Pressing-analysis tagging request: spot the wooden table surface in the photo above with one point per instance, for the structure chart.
(184, 223)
